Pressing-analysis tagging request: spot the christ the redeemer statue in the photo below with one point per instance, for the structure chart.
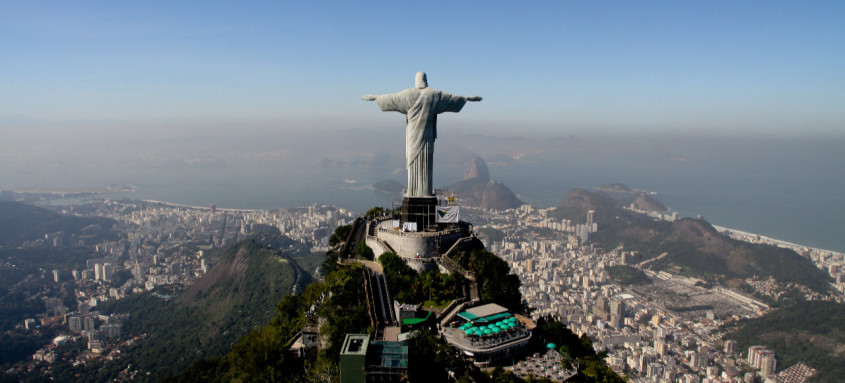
(420, 105)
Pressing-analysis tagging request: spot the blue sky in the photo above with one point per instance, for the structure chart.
(544, 67)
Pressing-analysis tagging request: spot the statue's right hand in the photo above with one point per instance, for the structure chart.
(368, 97)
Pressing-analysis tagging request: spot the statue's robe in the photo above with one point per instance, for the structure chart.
(421, 107)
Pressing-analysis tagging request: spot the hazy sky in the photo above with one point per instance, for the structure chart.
(735, 66)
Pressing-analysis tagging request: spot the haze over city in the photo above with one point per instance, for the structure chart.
(645, 192)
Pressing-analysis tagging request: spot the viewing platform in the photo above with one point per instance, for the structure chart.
(419, 249)
(489, 334)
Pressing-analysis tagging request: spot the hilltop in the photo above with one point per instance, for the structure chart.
(20, 222)
(478, 190)
(341, 306)
(812, 332)
(33, 241)
(179, 327)
(642, 201)
(692, 246)
(615, 188)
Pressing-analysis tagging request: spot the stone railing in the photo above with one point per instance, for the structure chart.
(419, 234)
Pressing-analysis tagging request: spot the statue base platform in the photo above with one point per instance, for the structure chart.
(422, 210)
(420, 250)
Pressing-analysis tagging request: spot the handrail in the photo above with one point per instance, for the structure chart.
(420, 234)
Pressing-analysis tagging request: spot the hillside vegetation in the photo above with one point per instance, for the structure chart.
(20, 222)
(340, 304)
(812, 332)
(178, 327)
(692, 246)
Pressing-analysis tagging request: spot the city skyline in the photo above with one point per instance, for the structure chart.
(753, 67)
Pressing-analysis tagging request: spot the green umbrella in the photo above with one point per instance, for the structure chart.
(468, 332)
(487, 332)
(497, 330)
(551, 346)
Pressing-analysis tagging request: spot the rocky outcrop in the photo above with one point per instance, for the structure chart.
(478, 190)
(477, 169)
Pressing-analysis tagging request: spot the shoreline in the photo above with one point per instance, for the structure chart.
(747, 237)
(173, 204)
(744, 235)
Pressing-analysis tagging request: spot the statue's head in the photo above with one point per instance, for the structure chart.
(421, 82)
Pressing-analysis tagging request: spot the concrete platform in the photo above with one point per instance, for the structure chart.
(419, 249)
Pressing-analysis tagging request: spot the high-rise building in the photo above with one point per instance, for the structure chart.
(175, 268)
(654, 370)
(694, 360)
(645, 360)
(756, 354)
(75, 323)
(730, 346)
(98, 272)
(768, 364)
(762, 355)
(617, 307)
(661, 347)
(56, 276)
(88, 324)
(107, 272)
(111, 330)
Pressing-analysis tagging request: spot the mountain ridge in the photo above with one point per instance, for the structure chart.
(236, 295)
(693, 246)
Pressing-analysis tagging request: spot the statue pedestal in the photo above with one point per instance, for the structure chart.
(421, 210)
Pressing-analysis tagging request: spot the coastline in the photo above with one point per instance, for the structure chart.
(180, 205)
(746, 236)
(734, 233)
(758, 238)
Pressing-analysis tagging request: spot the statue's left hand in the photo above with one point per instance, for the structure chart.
(474, 98)
(368, 97)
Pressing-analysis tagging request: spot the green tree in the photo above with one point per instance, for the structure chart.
(340, 234)
(364, 251)
(375, 212)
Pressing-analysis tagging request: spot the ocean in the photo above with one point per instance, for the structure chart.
(788, 188)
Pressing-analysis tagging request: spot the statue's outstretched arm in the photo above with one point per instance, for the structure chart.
(368, 97)
(472, 98)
